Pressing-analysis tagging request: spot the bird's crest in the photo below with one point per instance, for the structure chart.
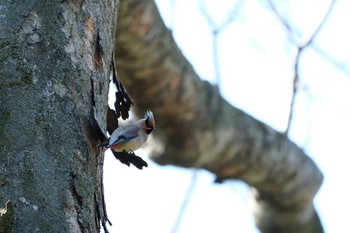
(149, 120)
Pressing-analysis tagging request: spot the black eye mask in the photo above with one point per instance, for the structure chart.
(147, 123)
(149, 130)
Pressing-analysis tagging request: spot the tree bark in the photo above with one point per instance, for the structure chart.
(196, 127)
(55, 61)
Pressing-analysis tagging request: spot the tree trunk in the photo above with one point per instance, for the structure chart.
(196, 127)
(55, 61)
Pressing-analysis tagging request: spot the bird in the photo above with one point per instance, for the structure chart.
(128, 138)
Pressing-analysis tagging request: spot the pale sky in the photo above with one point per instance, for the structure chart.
(256, 65)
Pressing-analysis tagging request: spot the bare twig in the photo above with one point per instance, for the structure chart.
(185, 201)
(300, 48)
(215, 48)
(320, 25)
(284, 22)
(216, 30)
(341, 66)
(290, 29)
(172, 17)
(295, 89)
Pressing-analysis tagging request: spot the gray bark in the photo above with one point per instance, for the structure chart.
(54, 71)
(196, 127)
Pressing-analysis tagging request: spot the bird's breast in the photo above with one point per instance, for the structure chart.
(130, 145)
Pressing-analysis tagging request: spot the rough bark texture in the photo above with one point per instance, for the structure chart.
(54, 72)
(196, 127)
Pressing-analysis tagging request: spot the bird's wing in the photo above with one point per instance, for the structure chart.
(123, 134)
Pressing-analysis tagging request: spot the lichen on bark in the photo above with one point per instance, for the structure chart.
(53, 104)
(7, 218)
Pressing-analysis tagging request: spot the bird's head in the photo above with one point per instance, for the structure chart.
(150, 124)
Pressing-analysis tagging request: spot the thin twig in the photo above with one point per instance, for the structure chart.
(300, 48)
(341, 66)
(172, 16)
(185, 202)
(295, 90)
(215, 48)
(320, 25)
(216, 30)
(290, 29)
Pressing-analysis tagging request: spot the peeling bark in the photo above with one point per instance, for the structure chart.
(196, 127)
(55, 59)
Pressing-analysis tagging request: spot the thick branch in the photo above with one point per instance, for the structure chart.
(55, 61)
(196, 127)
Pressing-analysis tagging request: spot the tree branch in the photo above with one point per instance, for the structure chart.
(300, 49)
(198, 128)
(216, 29)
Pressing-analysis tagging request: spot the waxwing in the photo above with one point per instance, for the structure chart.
(126, 139)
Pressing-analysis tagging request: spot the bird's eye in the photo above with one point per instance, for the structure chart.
(149, 130)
